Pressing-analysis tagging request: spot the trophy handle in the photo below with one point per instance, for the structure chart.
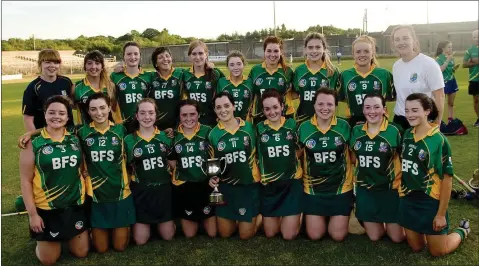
(224, 168)
(201, 167)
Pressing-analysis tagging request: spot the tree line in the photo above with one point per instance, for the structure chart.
(110, 45)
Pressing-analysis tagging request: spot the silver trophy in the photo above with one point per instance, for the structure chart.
(213, 168)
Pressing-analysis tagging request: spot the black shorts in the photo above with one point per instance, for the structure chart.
(192, 201)
(61, 224)
(473, 88)
(153, 204)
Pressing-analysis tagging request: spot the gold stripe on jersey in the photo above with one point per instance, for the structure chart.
(189, 137)
(323, 66)
(373, 66)
(253, 164)
(236, 84)
(347, 183)
(334, 121)
(241, 123)
(383, 127)
(169, 75)
(267, 70)
(282, 121)
(191, 69)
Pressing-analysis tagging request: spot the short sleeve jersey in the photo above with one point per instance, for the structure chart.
(425, 161)
(277, 151)
(472, 52)
(378, 166)
(326, 163)
(354, 87)
(238, 147)
(106, 162)
(38, 92)
(448, 72)
(306, 82)
(242, 94)
(148, 158)
(167, 92)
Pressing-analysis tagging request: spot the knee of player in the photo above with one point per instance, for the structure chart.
(417, 248)
(120, 247)
(140, 240)
(338, 236)
(48, 260)
(246, 235)
(270, 233)
(80, 252)
(315, 236)
(375, 237)
(397, 238)
(437, 252)
(168, 236)
(289, 235)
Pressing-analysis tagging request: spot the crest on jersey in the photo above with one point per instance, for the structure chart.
(208, 85)
(302, 83)
(162, 147)
(173, 82)
(242, 211)
(137, 152)
(84, 99)
(156, 84)
(207, 210)
(337, 141)
(383, 147)
(246, 140)
(64, 92)
(403, 147)
(114, 141)
(143, 86)
(90, 141)
(264, 138)
(47, 150)
(376, 86)
(357, 145)
(310, 143)
(188, 85)
(289, 136)
(352, 86)
(280, 81)
(202, 146)
(79, 225)
(122, 86)
(413, 78)
(74, 146)
(178, 148)
(259, 81)
(221, 145)
(324, 83)
(422, 155)
(246, 94)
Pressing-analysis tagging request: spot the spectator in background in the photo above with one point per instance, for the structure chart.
(445, 59)
(339, 54)
(471, 61)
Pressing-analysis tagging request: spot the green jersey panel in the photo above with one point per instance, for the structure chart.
(448, 72)
(190, 152)
(277, 151)
(129, 91)
(83, 90)
(57, 182)
(167, 92)
(306, 83)
(148, 158)
(203, 91)
(239, 150)
(472, 52)
(424, 162)
(378, 166)
(242, 94)
(263, 80)
(354, 86)
(104, 152)
(326, 163)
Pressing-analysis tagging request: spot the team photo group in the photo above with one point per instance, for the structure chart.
(117, 156)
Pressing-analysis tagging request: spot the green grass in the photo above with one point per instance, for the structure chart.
(18, 249)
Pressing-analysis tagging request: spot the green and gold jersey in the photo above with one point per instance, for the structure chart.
(190, 152)
(167, 92)
(83, 89)
(106, 163)
(148, 158)
(425, 161)
(57, 180)
(306, 82)
(353, 86)
(448, 72)
(202, 89)
(238, 147)
(129, 91)
(263, 79)
(277, 151)
(242, 94)
(326, 164)
(378, 166)
(472, 52)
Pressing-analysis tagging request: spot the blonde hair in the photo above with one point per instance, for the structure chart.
(371, 41)
(48, 55)
(416, 48)
(326, 58)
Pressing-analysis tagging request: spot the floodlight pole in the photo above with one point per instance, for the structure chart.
(428, 28)
(274, 15)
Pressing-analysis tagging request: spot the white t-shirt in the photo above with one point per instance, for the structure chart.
(421, 74)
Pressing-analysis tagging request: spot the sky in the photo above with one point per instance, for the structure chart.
(209, 19)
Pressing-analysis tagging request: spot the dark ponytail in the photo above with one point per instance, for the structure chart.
(427, 104)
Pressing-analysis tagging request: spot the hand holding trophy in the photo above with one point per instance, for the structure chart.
(213, 170)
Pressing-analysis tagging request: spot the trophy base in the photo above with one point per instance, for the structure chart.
(216, 199)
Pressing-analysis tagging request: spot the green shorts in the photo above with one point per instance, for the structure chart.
(417, 211)
(328, 205)
(116, 214)
(281, 198)
(377, 206)
(153, 204)
(242, 202)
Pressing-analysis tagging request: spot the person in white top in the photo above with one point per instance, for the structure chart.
(414, 72)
